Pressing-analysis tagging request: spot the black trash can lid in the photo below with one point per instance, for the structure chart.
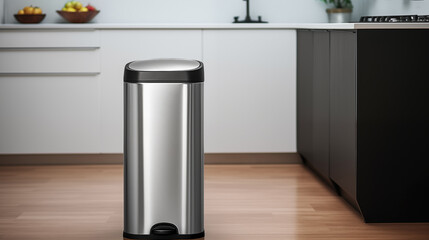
(164, 71)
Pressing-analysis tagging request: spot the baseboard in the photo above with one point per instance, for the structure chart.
(117, 158)
(252, 158)
(60, 159)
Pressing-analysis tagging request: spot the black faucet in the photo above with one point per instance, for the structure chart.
(248, 19)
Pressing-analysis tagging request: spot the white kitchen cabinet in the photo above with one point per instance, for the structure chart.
(49, 114)
(49, 92)
(250, 90)
(49, 38)
(42, 61)
(61, 91)
(119, 47)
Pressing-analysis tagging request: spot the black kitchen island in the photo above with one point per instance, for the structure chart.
(363, 117)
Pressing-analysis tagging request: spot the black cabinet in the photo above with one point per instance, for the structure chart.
(305, 94)
(363, 120)
(320, 159)
(343, 124)
(313, 99)
(393, 125)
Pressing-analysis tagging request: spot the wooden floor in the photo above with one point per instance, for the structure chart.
(245, 202)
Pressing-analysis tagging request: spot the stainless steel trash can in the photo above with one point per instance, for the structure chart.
(163, 149)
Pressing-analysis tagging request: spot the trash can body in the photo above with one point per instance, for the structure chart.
(163, 152)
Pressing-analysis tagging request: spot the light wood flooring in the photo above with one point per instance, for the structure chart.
(248, 202)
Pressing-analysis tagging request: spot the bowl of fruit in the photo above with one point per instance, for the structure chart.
(75, 12)
(30, 14)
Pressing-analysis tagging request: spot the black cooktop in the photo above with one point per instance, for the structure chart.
(395, 19)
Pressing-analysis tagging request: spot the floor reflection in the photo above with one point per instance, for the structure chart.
(274, 202)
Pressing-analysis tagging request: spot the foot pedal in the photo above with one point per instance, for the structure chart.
(164, 229)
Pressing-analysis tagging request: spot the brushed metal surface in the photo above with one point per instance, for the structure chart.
(163, 156)
(171, 64)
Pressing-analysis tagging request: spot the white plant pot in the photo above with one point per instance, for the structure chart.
(339, 15)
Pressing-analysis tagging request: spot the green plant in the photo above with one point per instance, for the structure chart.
(340, 3)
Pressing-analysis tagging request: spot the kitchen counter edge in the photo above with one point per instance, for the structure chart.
(119, 26)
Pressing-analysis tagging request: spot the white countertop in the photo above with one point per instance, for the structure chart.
(218, 26)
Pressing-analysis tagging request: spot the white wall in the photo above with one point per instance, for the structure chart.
(186, 11)
(1, 11)
(214, 11)
(395, 7)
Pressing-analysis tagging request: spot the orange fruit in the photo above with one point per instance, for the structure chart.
(28, 10)
(37, 10)
(20, 12)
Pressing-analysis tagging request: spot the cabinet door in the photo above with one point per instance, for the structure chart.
(250, 90)
(320, 158)
(305, 94)
(49, 114)
(49, 96)
(343, 111)
(119, 47)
